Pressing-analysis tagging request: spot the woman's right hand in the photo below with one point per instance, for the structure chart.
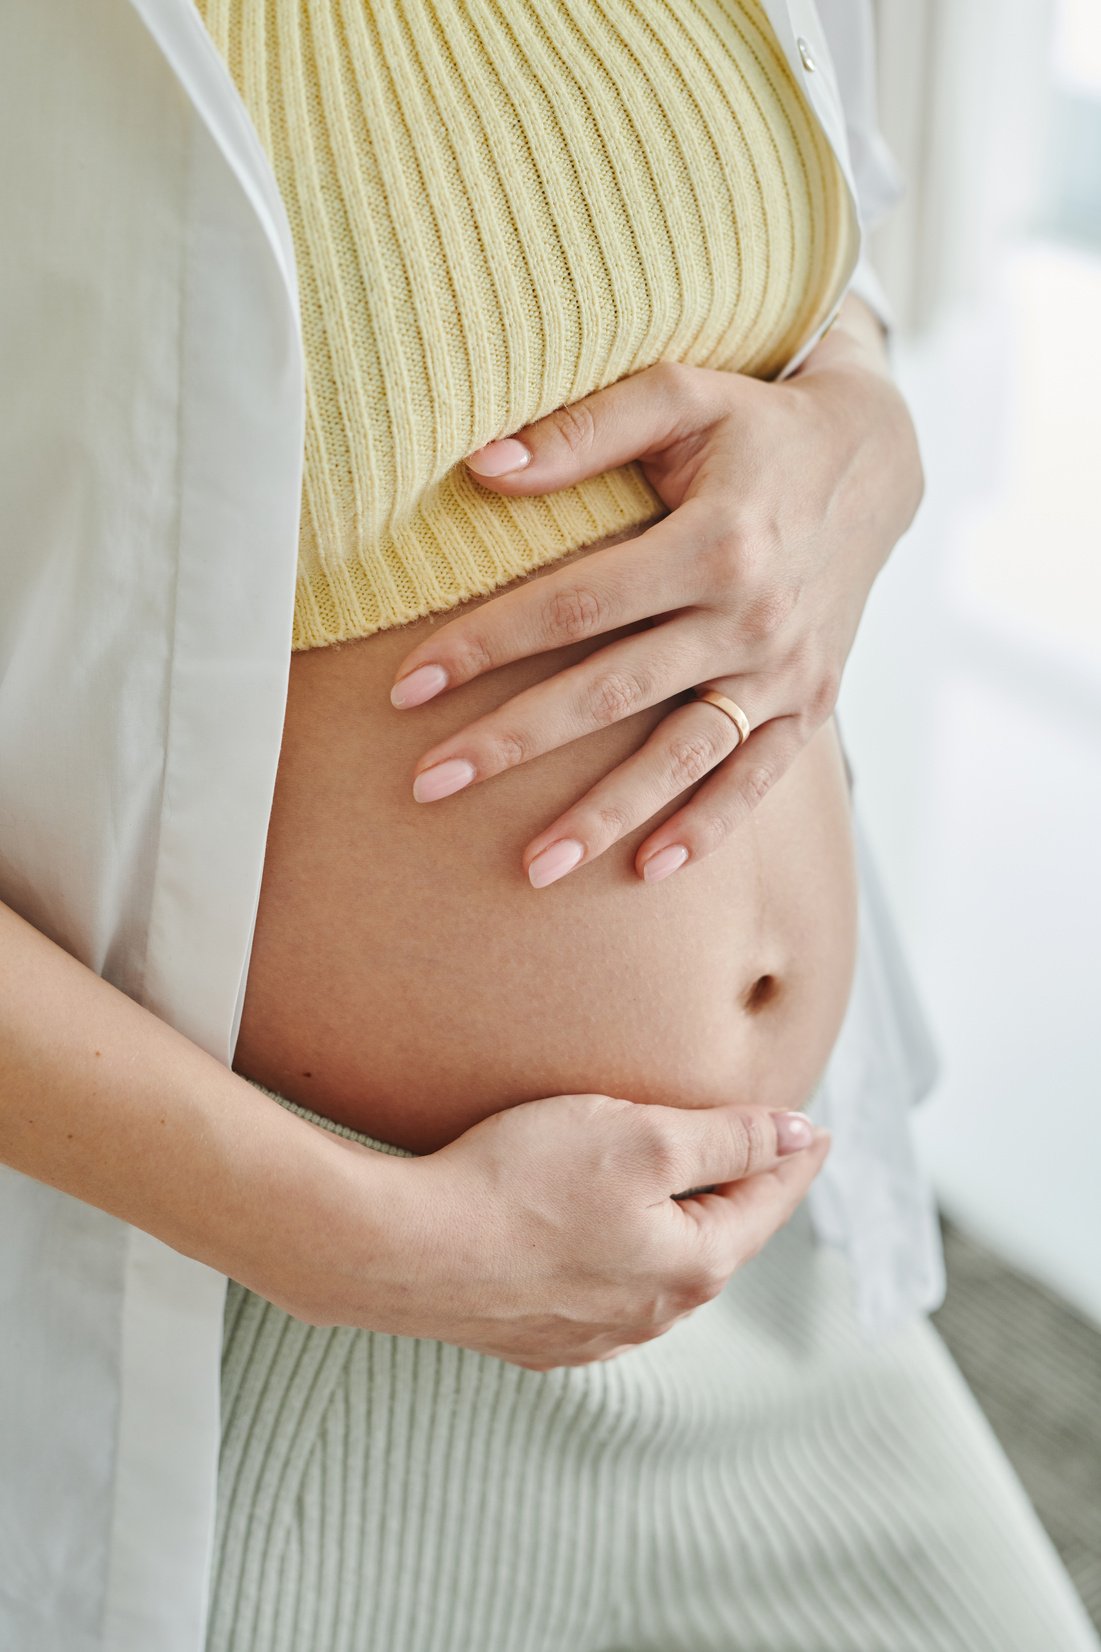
(549, 1234)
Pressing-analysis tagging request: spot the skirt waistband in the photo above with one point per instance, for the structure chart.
(337, 1129)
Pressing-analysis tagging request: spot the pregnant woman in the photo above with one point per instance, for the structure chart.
(526, 1341)
(497, 212)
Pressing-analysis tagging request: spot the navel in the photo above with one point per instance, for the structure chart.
(763, 991)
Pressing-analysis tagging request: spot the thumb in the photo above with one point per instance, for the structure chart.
(708, 1147)
(744, 1215)
(634, 418)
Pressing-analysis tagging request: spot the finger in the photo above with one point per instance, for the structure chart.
(685, 746)
(637, 671)
(714, 1146)
(634, 418)
(725, 799)
(614, 586)
(738, 1220)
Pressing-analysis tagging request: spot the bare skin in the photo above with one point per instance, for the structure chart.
(408, 981)
(506, 1242)
(407, 978)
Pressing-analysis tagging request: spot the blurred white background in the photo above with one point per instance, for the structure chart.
(972, 703)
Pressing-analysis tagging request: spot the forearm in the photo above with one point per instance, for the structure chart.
(102, 1099)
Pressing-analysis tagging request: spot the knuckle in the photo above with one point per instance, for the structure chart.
(507, 749)
(659, 1150)
(672, 375)
(576, 427)
(661, 1309)
(690, 756)
(823, 695)
(717, 827)
(708, 1272)
(613, 820)
(712, 1281)
(573, 613)
(615, 695)
(757, 782)
(752, 1143)
(470, 655)
(700, 1283)
(678, 382)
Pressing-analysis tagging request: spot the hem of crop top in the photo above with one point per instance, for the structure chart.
(476, 553)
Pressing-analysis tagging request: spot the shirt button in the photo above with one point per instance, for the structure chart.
(804, 53)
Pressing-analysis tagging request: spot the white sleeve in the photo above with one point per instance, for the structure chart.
(850, 35)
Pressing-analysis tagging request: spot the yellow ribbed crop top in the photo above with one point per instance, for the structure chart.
(499, 206)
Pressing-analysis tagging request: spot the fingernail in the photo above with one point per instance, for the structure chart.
(420, 685)
(665, 861)
(442, 779)
(793, 1131)
(498, 458)
(555, 862)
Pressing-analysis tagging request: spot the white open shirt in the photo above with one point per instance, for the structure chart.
(150, 473)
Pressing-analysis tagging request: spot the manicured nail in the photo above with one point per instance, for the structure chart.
(554, 862)
(420, 685)
(442, 779)
(665, 861)
(793, 1131)
(498, 458)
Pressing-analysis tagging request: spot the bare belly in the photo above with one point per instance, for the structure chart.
(407, 980)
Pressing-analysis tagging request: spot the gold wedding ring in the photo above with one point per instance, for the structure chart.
(734, 712)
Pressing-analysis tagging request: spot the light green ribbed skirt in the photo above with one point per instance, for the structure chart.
(759, 1479)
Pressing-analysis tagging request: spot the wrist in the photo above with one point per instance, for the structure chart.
(856, 337)
(341, 1241)
(863, 408)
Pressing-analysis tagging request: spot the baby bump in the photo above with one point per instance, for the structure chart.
(496, 211)
(407, 980)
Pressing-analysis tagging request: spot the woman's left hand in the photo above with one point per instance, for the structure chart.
(785, 499)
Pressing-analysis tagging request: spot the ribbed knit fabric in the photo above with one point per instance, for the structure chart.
(760, 1479)
(499, 206)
